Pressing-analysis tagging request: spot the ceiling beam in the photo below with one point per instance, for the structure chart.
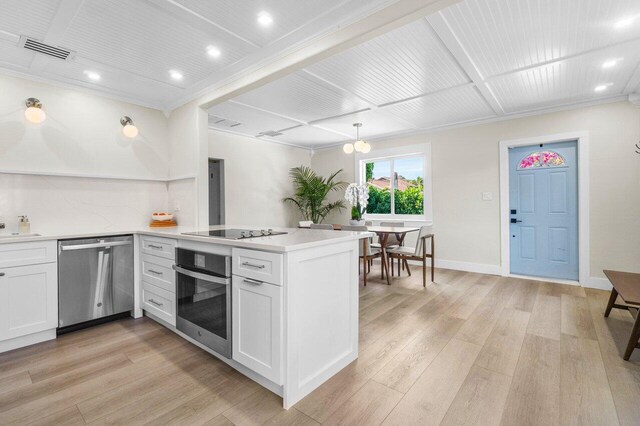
(633, 85)
(394, 15)
(193, 18)
(67, 10)
(443, 30)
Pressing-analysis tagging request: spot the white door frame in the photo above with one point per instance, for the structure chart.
(583, 198)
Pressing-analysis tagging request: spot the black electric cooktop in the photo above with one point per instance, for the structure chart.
(236, 234)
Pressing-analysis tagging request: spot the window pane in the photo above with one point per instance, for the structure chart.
(378, 178)
(409, 185)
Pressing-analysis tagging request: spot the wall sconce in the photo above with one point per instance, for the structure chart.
(34, 112)
(128, 128)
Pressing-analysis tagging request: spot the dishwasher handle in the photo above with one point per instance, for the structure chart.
(95, 245)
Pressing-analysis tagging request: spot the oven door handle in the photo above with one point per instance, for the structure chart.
(201, 276)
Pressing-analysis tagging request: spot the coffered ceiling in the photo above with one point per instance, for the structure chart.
(475, 61)
(136, 46)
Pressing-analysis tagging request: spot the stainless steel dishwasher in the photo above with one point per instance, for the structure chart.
(95, 280)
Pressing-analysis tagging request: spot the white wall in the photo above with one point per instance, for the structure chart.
(257, 178)
(81, 135)
(182, 201)
(69, 204)
(465, 163)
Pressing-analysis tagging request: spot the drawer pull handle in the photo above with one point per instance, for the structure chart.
(252, 265)
(155, 272)
(155, 247)
(155, 303)
(253, 282)
(1, 274)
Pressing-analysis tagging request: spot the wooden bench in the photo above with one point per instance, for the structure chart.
(627, 286)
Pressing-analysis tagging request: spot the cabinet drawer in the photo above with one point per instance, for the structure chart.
(31, 253)
(157, 271)
(258, 265)
(159, 302)
(163, 247)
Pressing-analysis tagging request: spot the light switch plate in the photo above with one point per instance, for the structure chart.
(487, 196)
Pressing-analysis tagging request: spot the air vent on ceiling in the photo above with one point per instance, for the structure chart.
(223, 122)
(45, 49)
(271, 133)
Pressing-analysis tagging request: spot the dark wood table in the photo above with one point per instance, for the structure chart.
(627, 286)
(383, 233)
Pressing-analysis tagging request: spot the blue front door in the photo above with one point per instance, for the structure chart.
(543, 198)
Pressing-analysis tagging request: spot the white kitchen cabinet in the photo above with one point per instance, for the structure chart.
(158, 285)
(29, 301)
(257, 327)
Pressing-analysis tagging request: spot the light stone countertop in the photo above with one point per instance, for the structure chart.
(295, 239)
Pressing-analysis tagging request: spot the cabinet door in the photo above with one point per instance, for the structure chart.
(28, 300)
(257, 327)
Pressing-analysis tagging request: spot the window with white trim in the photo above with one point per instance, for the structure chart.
(399, 183)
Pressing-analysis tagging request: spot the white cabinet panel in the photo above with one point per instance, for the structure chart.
(158, 271)
(157, 246)
(29, 253)
(29, 298)
(159, 302)
(257, 327)
(258, 265)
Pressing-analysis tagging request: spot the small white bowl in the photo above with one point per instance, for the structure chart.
(162, 217)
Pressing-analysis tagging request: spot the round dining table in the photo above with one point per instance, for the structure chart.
(383, 233)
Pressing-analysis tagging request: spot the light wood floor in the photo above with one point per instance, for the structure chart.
(470, 349)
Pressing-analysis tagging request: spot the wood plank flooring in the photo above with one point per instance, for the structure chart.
(468, 349)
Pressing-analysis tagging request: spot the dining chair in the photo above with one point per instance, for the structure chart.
(365, 251)
(420, 252)
(321, 226)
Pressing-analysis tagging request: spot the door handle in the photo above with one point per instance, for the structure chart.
(515, 221)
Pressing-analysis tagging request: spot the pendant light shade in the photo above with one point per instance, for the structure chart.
(359, 145)
(34, 112)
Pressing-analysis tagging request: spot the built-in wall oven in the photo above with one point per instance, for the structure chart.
(203, 298)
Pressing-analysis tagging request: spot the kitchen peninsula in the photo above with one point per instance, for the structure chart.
(293, 296)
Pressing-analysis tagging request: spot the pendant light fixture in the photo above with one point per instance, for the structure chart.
(359, 145)
(34, 112)
(128, 128)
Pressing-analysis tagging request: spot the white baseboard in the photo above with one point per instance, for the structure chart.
(480, 268)
(483, 268)
(28, 340)
(598, 283)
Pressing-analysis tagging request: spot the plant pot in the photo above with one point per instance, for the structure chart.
(355, 222)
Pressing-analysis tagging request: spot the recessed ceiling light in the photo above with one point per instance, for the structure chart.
(92, 75)
(602, 87)
(611, 62)
(176, 75)
(265, 19)
(213, 51)
(625, 22)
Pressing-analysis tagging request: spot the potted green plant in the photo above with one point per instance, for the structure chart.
(311, 191)
(358, 197)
